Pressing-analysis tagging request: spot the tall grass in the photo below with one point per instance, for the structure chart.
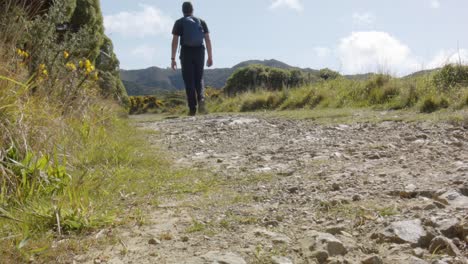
(423, 93)
(67, 155)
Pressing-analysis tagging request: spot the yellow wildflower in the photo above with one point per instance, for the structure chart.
(70, 66)
(96, 76)
(22, 53)
(80, 64)
(66, 54)
(45, 72)
(42, 67)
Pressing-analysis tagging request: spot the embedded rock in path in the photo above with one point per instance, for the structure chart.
(217, 257)
(321, 246)
(454, 199)
(372, 260)
(450, 228)
(281, 260)
(276, 238)
(410, 231)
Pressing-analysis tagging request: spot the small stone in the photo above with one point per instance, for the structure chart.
(223, 257)
(185, 239)
(443, 244)
(429, 207)
(439, 205)
(276, 238)
(336, 186)
(154, 241)
(320, 255)
(357, 197)
(333, 246)
(418, 252)
(372, 260)
(293, 189)
(281, 260)
(335, 230)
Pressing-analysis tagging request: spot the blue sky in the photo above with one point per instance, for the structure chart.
(350, 36)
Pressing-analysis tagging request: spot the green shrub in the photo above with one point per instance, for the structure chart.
(327, 74)
(254, 77)
(433, 103)
(451, 75)
(385, 94)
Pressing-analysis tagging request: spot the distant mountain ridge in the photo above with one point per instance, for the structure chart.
(154, 80)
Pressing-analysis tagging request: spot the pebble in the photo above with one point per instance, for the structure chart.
(372, 260)
(154, 241)
(281, 260)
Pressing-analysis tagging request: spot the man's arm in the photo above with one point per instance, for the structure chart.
(209, 62)
(175, 43)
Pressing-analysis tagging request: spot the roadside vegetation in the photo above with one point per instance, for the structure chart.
(441, 89)
(71, 164)
(262, 88)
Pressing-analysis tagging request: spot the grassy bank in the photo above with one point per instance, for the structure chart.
(427, 93)
(445, 88)
(71, 163)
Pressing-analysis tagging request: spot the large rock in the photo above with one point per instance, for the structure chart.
(450, 228)
(320, 246)
(442, 244)
(216, 257)
(454, 199)
(410, 231)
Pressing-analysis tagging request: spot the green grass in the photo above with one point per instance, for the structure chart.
(109, 176)
(360, 115)
(379, 92)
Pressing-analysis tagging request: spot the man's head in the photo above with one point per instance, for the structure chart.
(187, 8)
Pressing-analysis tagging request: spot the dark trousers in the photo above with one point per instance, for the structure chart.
(193, 61)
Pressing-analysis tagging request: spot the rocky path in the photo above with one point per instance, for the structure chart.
(298, 192)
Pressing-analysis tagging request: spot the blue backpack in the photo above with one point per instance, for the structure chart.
(193, 32)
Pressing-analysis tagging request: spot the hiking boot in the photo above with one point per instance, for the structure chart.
(192, 112)
(202, 108)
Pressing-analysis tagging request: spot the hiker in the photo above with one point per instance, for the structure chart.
(192, 31)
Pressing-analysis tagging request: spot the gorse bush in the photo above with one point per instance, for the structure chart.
(80, 31)
(144, 104)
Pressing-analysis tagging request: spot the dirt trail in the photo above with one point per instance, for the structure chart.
(299, 192)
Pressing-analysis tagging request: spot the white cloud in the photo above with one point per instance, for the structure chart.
(148, 21)
(292, 4)
(363, 19)
(435, 4)
(374, 51)
(449, 56)
(322, 52)
(144, 51)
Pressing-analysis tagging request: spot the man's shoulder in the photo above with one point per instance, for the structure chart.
(181, 20)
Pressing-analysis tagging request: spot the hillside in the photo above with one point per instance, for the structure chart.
(153, 80)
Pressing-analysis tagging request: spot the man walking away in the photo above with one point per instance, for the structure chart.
(192, 31)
